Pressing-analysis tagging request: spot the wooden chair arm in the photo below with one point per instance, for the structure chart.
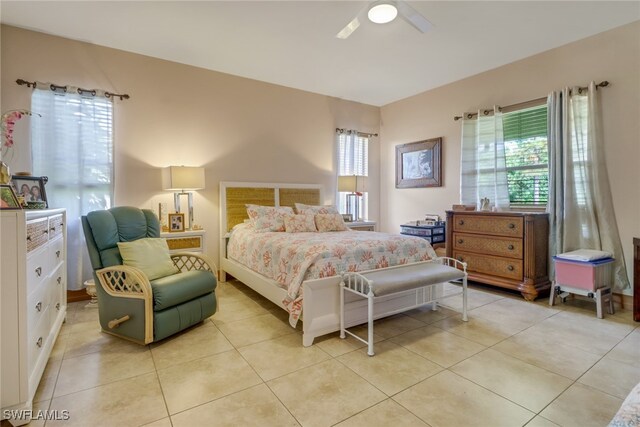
(124, 281)
(187, 261)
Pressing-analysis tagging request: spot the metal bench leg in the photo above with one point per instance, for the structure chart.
(599, 304)
(342, 334)
(464, 298)
(370, 328)
(552, 294)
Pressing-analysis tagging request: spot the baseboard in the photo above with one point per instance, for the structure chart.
(625, 301)
(75, 296)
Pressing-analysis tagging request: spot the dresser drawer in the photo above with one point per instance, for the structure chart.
(494, 225)
(37, 303)
(37, 233)
(495, 266)
(56, 252)
(55, 226)
(500, 246)
(37, 339)
(185, 243)
(38, 268)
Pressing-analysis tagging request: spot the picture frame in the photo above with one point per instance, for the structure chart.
(31, 188)
(8, 198)
(176, 222)
(419, 164)
(347, 217)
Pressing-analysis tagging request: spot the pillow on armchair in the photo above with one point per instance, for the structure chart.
(150, 254)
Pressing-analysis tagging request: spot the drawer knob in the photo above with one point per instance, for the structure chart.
(39, 342)
(39, 306)
(45, 231)
(57, 254)
(39, 271)
(28, 238)
(460, 241)
(461, 222)
(59, 279)
(512, 225)
(58, 306)
(52, 229)
(510, 247)
(510, 267)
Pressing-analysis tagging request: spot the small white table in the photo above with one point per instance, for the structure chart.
(362, 225)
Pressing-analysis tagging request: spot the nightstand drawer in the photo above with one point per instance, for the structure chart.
(193, 243)
(494, 225)
(494, 266)
(500, 246)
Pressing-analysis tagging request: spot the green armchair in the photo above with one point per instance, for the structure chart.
(132, 307)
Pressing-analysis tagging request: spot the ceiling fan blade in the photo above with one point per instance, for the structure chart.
(350, 28)
(413, 17)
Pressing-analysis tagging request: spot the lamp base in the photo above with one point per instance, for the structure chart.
(353, 206)
(176, 202)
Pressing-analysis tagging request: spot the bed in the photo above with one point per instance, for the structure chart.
(309, 292)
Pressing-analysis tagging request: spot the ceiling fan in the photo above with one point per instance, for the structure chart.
(382, 12)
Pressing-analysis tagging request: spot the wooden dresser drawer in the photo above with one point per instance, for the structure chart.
(495, 266)
(37, 233)
(497, 226)
(500, 246)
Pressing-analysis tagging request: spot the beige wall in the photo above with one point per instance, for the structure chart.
(238, 129)
(613, 56)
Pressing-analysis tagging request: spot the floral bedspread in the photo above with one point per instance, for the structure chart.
(291, 258)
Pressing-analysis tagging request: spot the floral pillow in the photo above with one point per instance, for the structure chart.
(315, 210)
(300, 224)
(330, 222)
(268, 218)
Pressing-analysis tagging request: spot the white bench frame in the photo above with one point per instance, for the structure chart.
(359, 284)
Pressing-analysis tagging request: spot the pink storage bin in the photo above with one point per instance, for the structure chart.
(587, 275)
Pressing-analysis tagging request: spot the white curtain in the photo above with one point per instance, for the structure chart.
(353, 159)
(72, 144)
(483, 165)
(580, 203)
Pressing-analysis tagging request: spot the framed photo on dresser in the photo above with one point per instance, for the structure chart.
(31, 188)
(8, 199)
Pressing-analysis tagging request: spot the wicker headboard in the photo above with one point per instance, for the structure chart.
(235, 195)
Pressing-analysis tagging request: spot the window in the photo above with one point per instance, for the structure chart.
(527, 156)
(72, 144)
(353, 159)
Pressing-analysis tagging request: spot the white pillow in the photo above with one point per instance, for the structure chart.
(150, 254)
(330, 222)
(300, 224)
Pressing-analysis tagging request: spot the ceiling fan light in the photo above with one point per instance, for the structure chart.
(382, 13)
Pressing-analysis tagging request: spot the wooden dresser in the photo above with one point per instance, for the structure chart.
(33, 290)
(505, 249)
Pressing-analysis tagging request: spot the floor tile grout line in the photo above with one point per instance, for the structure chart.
(164, 398)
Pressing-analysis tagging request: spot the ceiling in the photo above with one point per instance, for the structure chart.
(293, 43)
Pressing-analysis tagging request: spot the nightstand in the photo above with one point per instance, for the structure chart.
(362, 225)
(185, 241)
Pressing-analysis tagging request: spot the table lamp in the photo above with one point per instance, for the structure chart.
(355, 185)
(183, 180)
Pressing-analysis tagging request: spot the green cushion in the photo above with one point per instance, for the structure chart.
(151, 255)
(173, 290)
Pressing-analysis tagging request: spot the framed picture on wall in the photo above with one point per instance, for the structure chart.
(31, 188)
(418, 164)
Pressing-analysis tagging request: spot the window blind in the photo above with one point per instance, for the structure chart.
(72, 144)
(353, 159)
(527, 155)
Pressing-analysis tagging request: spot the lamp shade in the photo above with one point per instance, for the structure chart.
(353, 183)
(182, 178)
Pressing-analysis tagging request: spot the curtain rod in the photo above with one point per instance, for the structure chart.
(81, 91)
(363, 134)
(604, 83)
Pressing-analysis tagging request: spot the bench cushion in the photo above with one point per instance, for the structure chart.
(412, 276)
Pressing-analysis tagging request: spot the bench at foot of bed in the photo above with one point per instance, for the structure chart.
(375, 284)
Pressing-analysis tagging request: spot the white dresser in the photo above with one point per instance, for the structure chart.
(33, 298)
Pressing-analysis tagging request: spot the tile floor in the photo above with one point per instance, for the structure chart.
(513, 364)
